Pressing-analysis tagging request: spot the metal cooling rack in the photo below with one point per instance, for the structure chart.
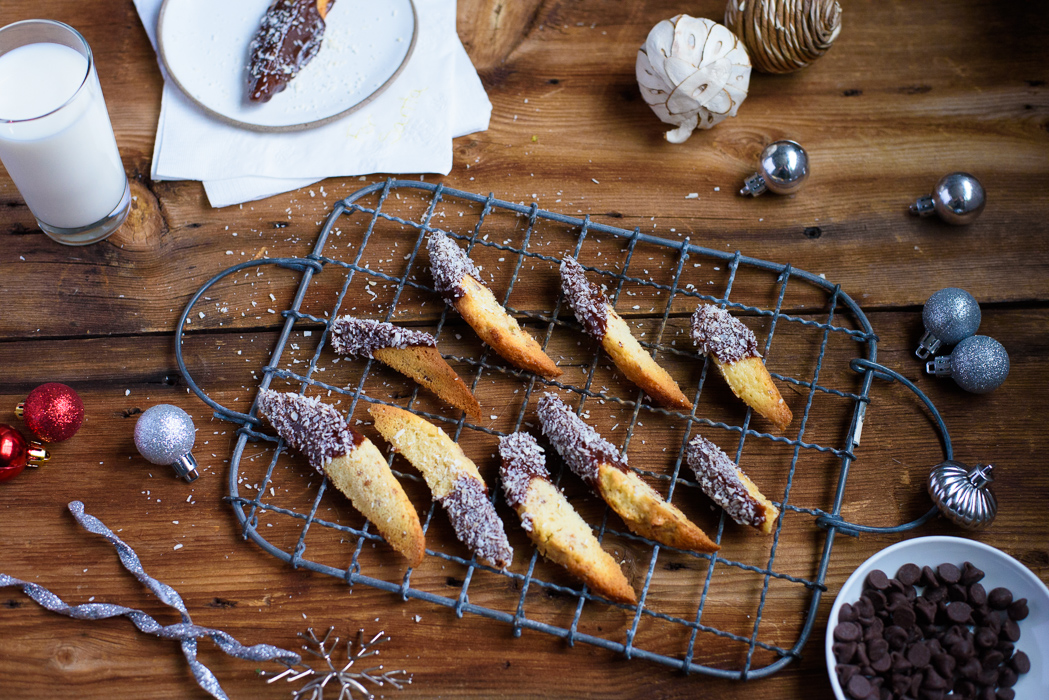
(247, 508)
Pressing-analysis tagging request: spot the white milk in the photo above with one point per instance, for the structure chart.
(65, 163)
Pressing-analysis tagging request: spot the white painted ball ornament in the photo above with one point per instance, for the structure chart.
(693, 72)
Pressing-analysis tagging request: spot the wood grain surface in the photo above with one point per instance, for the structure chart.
(910, 91)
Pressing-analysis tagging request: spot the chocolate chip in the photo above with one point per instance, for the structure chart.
(1019, 610)
(1005, 647)
(877, 599)
(962, 650)
(847, 613)
(970, 574)
(900, 662)
(925, 609)
(985, 694)
(977, 594)
(883, 664)
(918, 654)
(844, 651)
(933, 680)
(959, 612)
(949, 573)
(904, 617)
(847, 632)
(934, 595)
(877, 649)
(986, 638)
(993, 659)
(1010, 631)
(845, 673)
(877, 580)
(1007, 677)
(944, 664)
(896, 636)
(1020, 663)
(858, 687)
(1000, 598)
(1005, 694)
(864, 609)
(957, 591)
(965, 689)
(987, 677)
(930, 694)
(908, 574)
(929, 578)
(969, 668)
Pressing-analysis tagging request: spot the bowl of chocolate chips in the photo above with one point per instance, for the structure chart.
(940, 618)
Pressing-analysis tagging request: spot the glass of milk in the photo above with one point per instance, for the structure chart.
(56, 140)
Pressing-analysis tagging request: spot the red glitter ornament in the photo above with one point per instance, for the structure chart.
(53, 412)
(16, 453)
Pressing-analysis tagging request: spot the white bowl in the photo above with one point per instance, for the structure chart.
(1000, 569)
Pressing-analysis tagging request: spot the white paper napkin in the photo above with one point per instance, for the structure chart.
(407, 129)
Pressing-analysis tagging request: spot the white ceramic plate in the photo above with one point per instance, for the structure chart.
(204, 47)
(1000, 569)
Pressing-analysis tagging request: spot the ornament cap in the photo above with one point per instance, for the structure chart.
(928, 345)
(20, 410)
(186, 467)
(923, 207)
(36, 454)
(754, 186)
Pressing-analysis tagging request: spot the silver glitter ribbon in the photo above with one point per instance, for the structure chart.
(186, 632)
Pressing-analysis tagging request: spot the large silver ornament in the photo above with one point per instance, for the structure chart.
(963, 495)
(950, 316)
(978, 364)
(165, 434)
(958, 199)
(782, 169)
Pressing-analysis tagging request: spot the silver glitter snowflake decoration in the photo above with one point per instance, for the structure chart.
(348, 681)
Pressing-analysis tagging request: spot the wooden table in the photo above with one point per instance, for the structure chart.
(909, 92)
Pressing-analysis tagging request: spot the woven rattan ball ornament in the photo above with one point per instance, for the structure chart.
(962, 494)
(693, 73)
(782, 36)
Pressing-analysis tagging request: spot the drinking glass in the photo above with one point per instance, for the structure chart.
(56, 140)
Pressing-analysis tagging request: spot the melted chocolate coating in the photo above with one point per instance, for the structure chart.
(288, 38)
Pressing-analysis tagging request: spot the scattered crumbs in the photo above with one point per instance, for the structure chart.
(178, 546)
(418, 618)
(127, 392)
(595, 181)
(493, 416)
(823, 276)
(174, 522)
(717, 189)
(692, 195)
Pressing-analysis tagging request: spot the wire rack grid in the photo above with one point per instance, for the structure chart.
(690, 658)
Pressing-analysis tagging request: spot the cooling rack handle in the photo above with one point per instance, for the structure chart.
(879, 371)
(307, 266)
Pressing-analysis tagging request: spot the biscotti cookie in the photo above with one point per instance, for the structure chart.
(351, 462)
(552, 524)
(288, 38)
(603, 324)
(727, 485)
(410, 352)
(600, 465)
(453, 480)
(459, 283)
(734, 350)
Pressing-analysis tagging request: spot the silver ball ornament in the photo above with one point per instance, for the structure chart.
(978, 364)
(164, 434)
(950, 316)
(963, 495)
(957, 199)
(782, 169)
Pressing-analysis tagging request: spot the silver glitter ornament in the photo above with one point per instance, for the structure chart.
(165, 434)
(958, 199)
(782, 169)
(978, 364)
(950, 316)
(963, 494)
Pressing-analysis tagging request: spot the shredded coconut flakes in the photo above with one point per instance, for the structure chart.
(717, 332)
